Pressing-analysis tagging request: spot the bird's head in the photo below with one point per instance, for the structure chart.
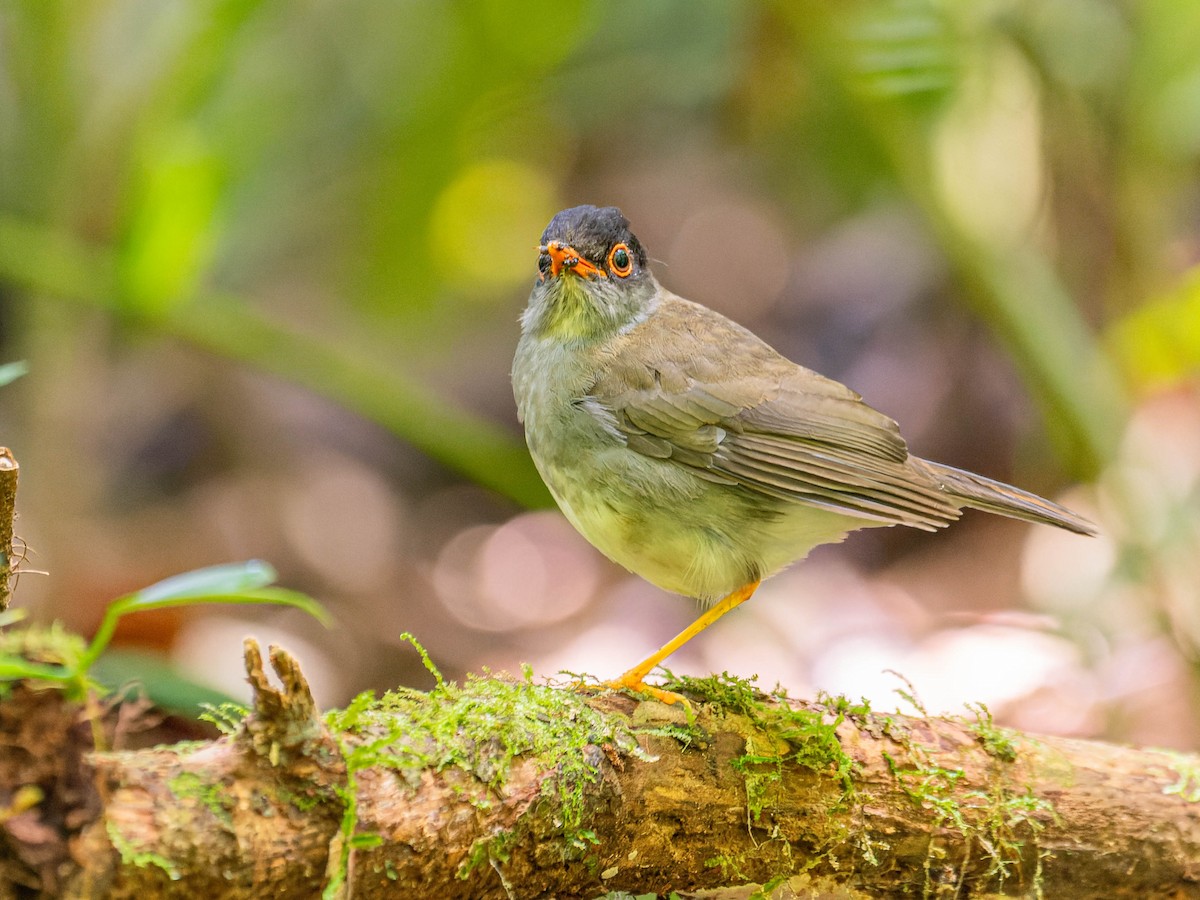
(592, 276)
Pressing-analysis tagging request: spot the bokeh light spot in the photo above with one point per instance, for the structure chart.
(730, 256)
(988, 153)
(529, 572)
(346, 523)
(486, 221)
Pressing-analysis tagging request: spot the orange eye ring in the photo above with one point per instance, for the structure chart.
(620, 260)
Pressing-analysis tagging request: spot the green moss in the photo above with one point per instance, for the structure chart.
(785, 733)
(304, 800)
(729, 864)
(493, 850)
(800, 734)
(1009, 820)
(997, 823)
(730, 693)
(996, 741)
(765, 892)
(214, 797)
(131, 856)
(1187, 771)
(47, 655)
(226, 717)
(760, 774)
(687, 736)
(480, 728)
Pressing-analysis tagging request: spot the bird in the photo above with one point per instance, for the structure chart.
(693, 454)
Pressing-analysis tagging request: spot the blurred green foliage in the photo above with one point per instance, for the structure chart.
(1158, 343)
(335, 192)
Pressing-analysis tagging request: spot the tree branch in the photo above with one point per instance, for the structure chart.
(8, 499)
(503, 788)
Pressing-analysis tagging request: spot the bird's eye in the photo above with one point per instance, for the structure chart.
(620, 261)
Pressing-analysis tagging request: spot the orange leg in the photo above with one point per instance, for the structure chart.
(633, 679)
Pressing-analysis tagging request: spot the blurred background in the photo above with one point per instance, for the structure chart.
(264, 261)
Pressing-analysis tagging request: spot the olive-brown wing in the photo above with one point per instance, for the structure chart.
(691, 387)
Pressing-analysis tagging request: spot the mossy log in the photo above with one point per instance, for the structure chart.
(506, 788)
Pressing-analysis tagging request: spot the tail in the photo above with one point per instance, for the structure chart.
(1004, 499)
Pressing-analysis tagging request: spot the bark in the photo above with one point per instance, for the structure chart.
(8, 498)
(414, 799)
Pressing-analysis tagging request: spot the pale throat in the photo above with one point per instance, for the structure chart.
(568, 312)
(574, 311)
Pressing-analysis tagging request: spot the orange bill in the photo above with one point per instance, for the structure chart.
(564, 257)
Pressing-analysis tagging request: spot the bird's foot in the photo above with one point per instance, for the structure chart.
(662, 695)
(631, 682)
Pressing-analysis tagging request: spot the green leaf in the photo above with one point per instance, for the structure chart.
(161, 682)
(904, 49)
(174, 198)
(16, 667)
(12, 371)
(227, 579)
(231, 583)
(273, 596)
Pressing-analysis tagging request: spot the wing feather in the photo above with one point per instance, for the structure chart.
(758, 421)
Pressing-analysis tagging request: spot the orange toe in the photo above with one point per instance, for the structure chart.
(632, 682)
